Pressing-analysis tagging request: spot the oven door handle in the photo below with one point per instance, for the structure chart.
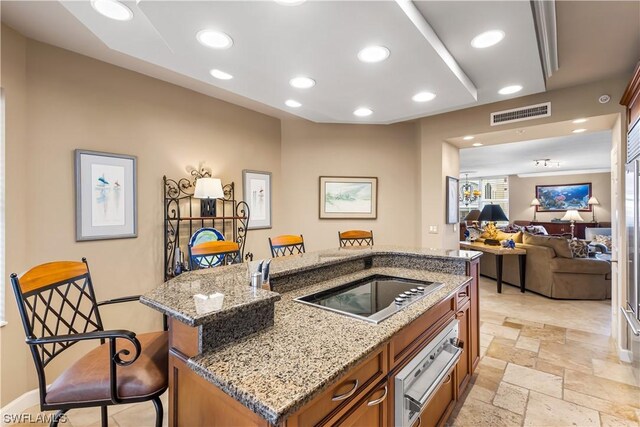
(427, 396)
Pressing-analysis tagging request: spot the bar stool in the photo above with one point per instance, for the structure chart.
(213, 253)
(355, 238)
(286, 244)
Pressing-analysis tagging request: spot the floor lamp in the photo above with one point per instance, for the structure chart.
(593, 202)
(535, 203)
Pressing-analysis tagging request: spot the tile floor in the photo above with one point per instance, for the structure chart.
(544, 363)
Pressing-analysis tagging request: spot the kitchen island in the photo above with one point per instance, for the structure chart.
(259, 357)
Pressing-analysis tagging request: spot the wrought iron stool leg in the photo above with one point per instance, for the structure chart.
(56, 418)
(159, 411)
(104, 416)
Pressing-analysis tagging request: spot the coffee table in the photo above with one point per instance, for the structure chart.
(500, 252)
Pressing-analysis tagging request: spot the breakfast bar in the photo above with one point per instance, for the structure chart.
(249, 356)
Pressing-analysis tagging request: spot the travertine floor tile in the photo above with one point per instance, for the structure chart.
(491, 317)
(610, 421)
(614, 371)
(485, 339)
(544, 334)
(475, 413)
(571, 355)
(548, 367)
(524, 322)
(481, 393)
(526, 343)
(615, 409)
(509, 353)
(591, 385)
(543, 410)
(493, 363)
(511, 397)
(500, 331)
(533, 380)
(590, 338)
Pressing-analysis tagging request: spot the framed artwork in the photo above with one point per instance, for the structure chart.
(555, 198)
(256, 187)
(105, 196)
(348, 197)
(453, 202)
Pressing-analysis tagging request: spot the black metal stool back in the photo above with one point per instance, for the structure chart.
(355, 238)
(285, 245)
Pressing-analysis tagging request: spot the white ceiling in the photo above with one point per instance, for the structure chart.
(273, 43)
(585, 153)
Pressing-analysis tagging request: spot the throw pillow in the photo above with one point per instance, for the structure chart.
(559, 244)
(579, 248)
(518, 237)
(538, 230)
(605, 240)
(512, 228)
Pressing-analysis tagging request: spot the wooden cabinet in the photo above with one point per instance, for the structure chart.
(473, 270)
(565, 227)
(464, 365)
(631, 97)
(347, 390)
(371, 410)
(441, 405)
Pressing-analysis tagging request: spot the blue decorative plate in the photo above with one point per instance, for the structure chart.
(207, 234)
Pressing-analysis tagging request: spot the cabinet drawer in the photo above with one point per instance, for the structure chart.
(440, 405)
(371, 411)
(463, 294)
(413, 335)
(346, 391)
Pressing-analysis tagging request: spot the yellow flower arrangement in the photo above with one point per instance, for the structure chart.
(491, 231)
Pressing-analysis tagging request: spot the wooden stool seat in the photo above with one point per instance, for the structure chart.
(286, 244)
(355, 238)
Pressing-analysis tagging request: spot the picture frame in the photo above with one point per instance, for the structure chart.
(561, 197)
(256, 188)
(106, 195)
(348, 197)
(453, 202)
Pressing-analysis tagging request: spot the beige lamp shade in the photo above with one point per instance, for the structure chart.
(208, 188)
(593, 201)
(572, 215)
(473, 215)
(535, 202)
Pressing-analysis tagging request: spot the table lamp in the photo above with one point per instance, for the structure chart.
(535, 203)
(208, 190)
(593, 202)
(473, 216)
(573, 216)
(492, 213)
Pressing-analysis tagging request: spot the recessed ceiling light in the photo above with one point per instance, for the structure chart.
(508, 90)
(292, 103)
(578, 121)
(302, 82)
(477, 144)
(363, 112)
(373, 54)
(578, 130)
(290, 2)
(214, 39)
(112, 9)
(218, 74)
(468, 138)
(488, 38)
(423, 96)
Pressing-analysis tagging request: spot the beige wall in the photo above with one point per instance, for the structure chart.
(523, 190)
(70, 101)
(312, 150)
(16, 367)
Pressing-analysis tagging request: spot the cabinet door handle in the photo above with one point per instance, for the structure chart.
(419, 421)
(459, 314)
(379, 401)
(447, 380)
(462, 295)
(347, 394)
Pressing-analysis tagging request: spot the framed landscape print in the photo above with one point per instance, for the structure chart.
(348, 197)
(257, 194)
(555, 198)
(105, 196)
(453, 206)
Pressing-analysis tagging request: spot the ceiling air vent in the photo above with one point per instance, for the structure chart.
(520, 114)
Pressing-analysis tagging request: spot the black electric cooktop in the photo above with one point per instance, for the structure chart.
(373, 298)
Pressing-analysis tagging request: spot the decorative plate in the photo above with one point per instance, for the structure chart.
(207, 234)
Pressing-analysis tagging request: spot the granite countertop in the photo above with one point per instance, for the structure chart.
(276, 371)
(175, 297)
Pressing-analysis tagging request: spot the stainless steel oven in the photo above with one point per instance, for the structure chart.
(417, 382)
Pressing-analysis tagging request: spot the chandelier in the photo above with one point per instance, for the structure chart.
(469, 192)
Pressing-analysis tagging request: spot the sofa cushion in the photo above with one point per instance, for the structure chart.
(559, 244)
(605, 240)
(536, 229)
(579, 248)
(517, 237)
(579, 266)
